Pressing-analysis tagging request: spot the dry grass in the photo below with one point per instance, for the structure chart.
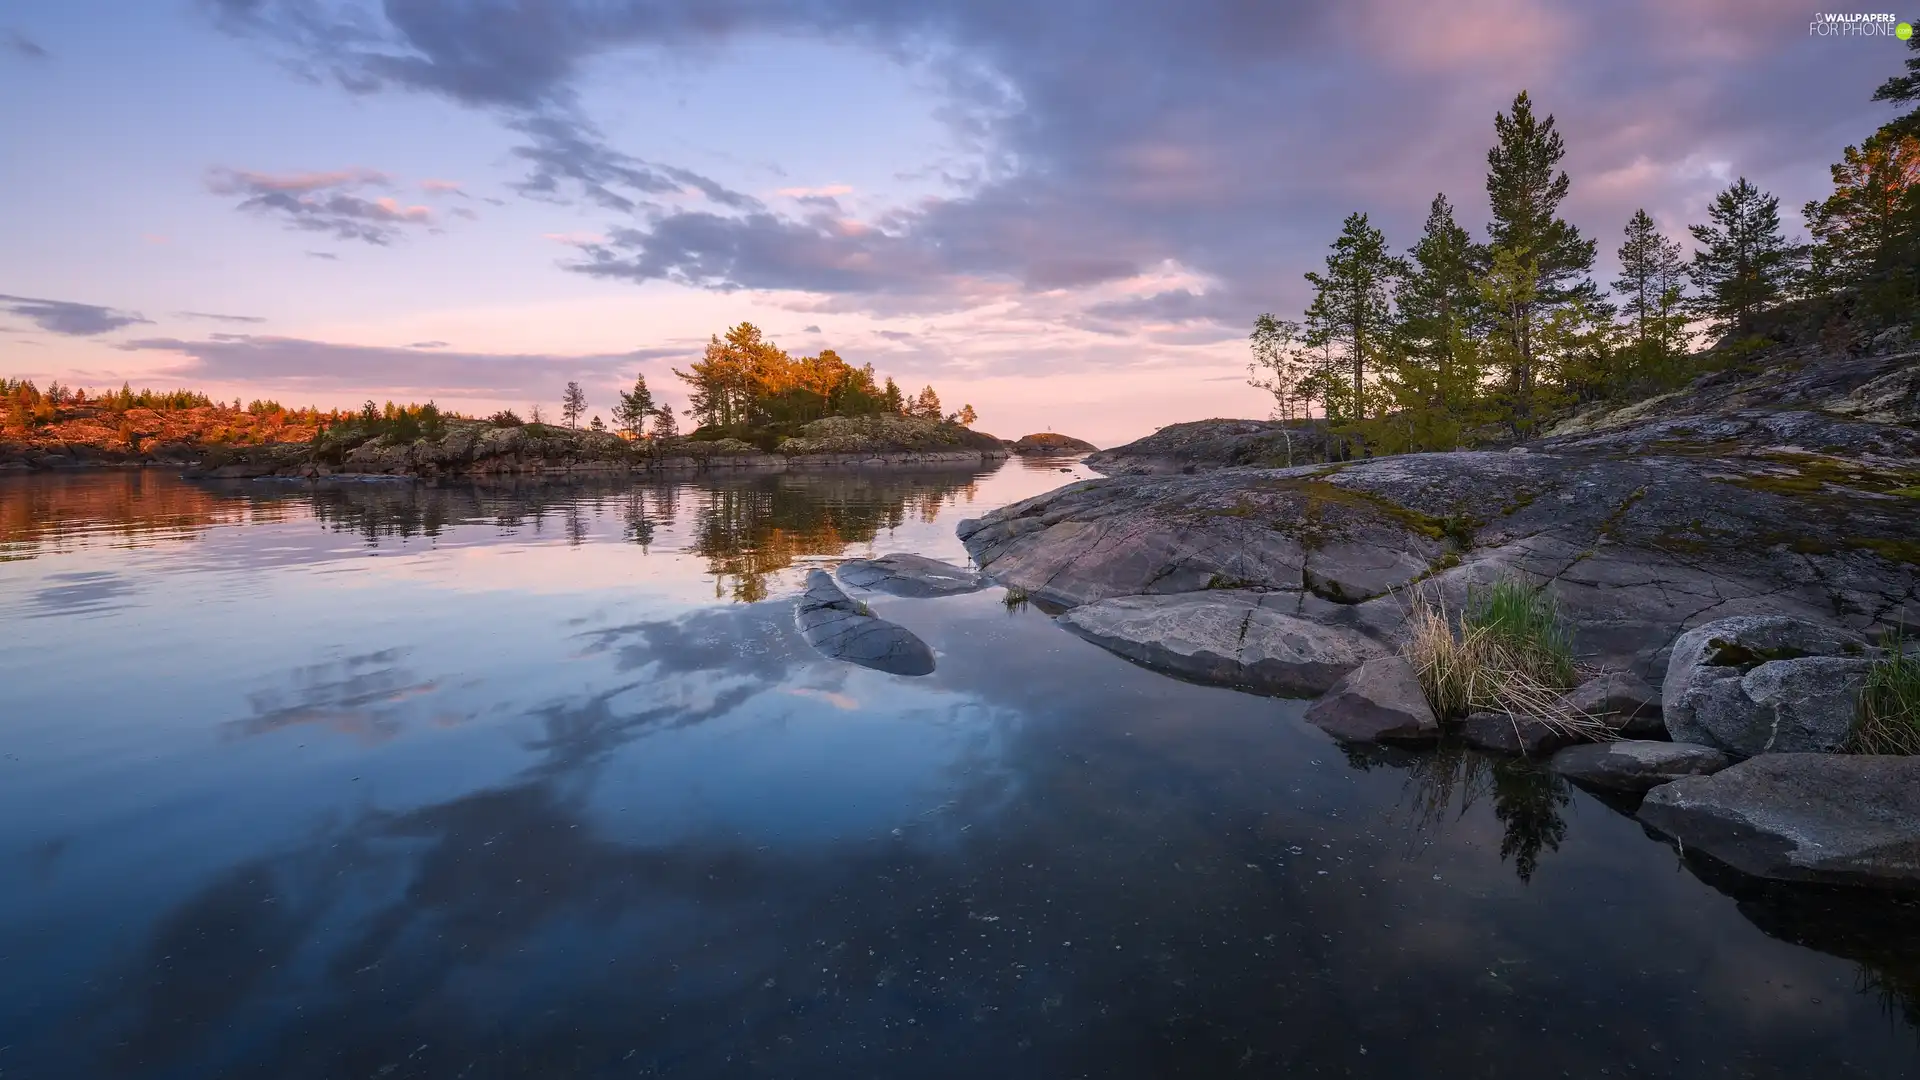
(1889, 720)
(1486, 665)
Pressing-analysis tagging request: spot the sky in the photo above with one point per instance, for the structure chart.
(1066, 214)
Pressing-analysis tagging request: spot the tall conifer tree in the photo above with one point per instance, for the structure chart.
(1351, 309)
(1525, 187)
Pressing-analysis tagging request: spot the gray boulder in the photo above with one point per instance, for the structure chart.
(1225, 637)
(842, 630)
(1636, 764)
(1624, 700)
(1759, 684)
(1829, 818)
(1379, 701)
(910, 575)
(1507, 734)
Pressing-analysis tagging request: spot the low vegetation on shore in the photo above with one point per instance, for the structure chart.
(1890, 703)
(1509, 652)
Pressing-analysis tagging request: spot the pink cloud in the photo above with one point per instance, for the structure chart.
(830, 191)
(229, 181)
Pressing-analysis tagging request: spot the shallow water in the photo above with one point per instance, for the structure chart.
(376, 780)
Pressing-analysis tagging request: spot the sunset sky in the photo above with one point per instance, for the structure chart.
(1066, 213)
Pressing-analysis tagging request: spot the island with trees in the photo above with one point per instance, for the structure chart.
(750, 404)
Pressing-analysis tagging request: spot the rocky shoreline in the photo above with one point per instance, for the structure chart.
(1732, 558)
(470, 448)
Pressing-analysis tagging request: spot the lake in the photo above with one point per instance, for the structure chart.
(538, 780)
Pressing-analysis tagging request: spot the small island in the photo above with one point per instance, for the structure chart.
(1048, 442)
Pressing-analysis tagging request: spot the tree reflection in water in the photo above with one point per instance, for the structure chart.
(749, 530)
(1445, 782)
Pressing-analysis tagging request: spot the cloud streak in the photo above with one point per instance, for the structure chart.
(423, 369)
(21, 45)
(67, 317)
(328, 202)
(212, 317)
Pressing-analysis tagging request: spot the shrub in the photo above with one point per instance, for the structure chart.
(505, 418)
(1889, 720)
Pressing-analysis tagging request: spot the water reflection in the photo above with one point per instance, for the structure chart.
(507, 808)
(1445, 782)
(751, 529)
(1878, 931)
(362, 696)
(747, 527)
(63, 511)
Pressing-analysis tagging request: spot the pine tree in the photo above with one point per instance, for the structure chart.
(1904, 90)
(1435, 376)
(1743, 264)
(891, 398)
(663, 425)
(1867, 227)
(1525, 187)
(1650, 286)
(1350, 309)
(966, 417)
(634, 408)
(926, 405)
(598, 424)
(573, 404)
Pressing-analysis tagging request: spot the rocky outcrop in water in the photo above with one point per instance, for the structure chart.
(1636, 765)
(1775, 508)
(1201, 445)
(1841, 820)
(844, 630)
(1225, 638)
(1503, 733)
(1637, 539)
(1048, 442)
(910, 575)
(1379, 701)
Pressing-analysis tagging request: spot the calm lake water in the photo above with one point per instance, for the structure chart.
(386, 781)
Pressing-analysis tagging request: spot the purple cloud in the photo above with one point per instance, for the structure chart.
(67, 317)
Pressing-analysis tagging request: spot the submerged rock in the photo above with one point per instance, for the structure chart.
(1832, 818)
(1508, 734)
(841, 630)
(1379, 701)
(1224, 637)
(1765, 684)
(1637, 764)
(910, 575)
(1625, 701)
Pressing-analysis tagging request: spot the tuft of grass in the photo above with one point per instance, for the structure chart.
(1889, 719)
(1015, 596)
(1510, 652)
(1525, 622)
